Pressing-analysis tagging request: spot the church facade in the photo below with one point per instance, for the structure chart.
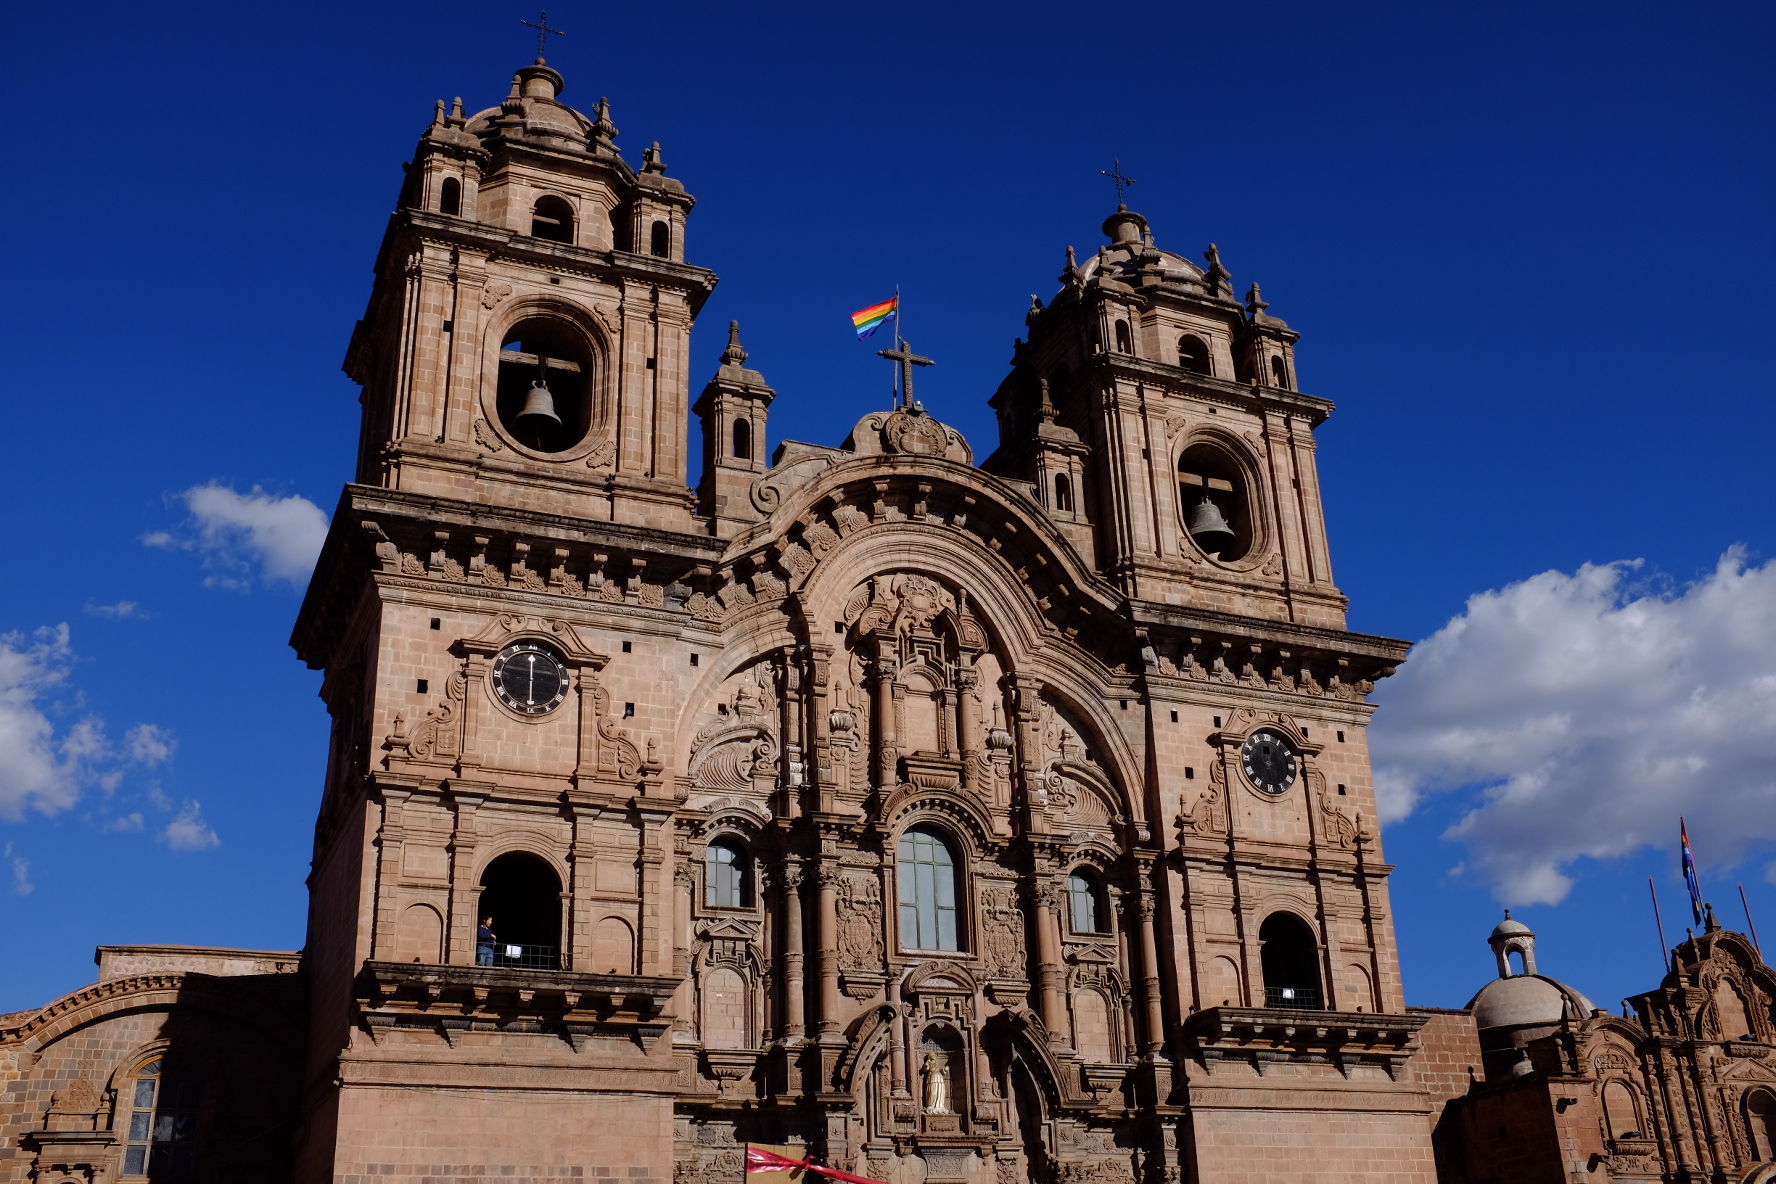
(951, 818)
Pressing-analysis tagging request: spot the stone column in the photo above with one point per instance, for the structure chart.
(389, 840)
(794, 993)
(829, 947)
(1150, 973)
(464, 891)
(883, 711)
(1048, 969)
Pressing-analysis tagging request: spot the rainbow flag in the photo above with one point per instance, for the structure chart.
(868, 320)
(1689, 870)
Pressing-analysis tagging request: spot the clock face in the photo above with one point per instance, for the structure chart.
(1270, 761)
(529, 678)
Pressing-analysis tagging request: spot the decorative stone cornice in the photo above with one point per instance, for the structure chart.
(1262, 1036)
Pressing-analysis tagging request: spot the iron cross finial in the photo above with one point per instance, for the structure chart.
(541, 25)
(1122, 182)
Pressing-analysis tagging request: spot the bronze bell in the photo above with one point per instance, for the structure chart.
(539, 405)
(1209, 528)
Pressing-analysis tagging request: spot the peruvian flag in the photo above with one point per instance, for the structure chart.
(758, 1159)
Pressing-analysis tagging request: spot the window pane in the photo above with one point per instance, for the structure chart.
(144, 1093)
(135, 1161)
(946, 929)
(139, 1125)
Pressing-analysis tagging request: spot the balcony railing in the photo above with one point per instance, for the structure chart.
(520, 957)
(1305, 998)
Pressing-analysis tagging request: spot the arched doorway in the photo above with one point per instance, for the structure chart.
(522, 894)
(1290, 956)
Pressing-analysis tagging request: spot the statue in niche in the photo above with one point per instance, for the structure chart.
(937, 1083)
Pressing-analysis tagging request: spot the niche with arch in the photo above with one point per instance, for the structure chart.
(1207, 474)
(1125, 340)
(1193, 354)
(1760, 1122)
(660, 241)
(1290, 957)
(420, 937)
(1730, 1010)
(742, 440)
(1620, 1111)
(450, 197)
(1094, 1038)
(522, 893)
(545, 361)
(613, 947)
(725, 1007)
(553, 219)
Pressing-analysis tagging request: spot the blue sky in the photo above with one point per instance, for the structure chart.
(1528, 247)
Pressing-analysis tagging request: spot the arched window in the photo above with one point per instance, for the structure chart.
(1193, 354)
(1291, 960)
(1086, 904)
(1217, 512)
(1279, 372)
(162, 1122)
(522, 894)
(619, 220)
(660, 244)
(727, 876)
(742, 440)
(926, 870)
(1063, 493)
(545, 384)
(1125, 342)
(450, 197)
(552, 218)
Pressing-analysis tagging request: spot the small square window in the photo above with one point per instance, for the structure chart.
(1189, 773)
(1341, 737)
(652, 363)
(838, 626)
(1174, 717)
(1217, 721)
(449, 326)
(1341, 791)
(437, 623)
(422, 685)
(1304, 734)
(693, 659)
(628, 711)
(1125, 704)
(628, 646)
(554, 279)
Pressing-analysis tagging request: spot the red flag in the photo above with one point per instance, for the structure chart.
(760, 1160)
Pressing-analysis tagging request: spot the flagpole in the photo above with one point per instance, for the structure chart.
(1749, 921)
(900, 344)
(1664, 946)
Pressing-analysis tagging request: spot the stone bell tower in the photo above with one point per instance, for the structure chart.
(500, 612)
(527, 338)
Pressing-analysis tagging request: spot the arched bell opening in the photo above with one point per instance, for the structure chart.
(660, 241)
(450, 197)
(521, 894)
(742, 440)
(1290, 956)
(1193, 354)
(1217, 507)
(545, 384)
(1279, 372)
(1063, 493)
(553, 219)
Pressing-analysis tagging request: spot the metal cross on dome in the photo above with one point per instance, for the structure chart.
(1122, 182)
(541, 25)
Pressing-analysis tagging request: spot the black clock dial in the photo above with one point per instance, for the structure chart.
(529, 678)
(1270, 761)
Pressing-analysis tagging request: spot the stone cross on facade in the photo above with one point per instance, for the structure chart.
(541, 25)
(903, 353)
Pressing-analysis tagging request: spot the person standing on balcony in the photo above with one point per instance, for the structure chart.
(484, 941)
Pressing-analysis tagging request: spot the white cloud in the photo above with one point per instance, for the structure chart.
(126, 822)
(149, 744)
(46, 769)
(189, 832)
(1590, 713)
(121, 611)
(38, 769)
(238, 532)
(21, 872)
